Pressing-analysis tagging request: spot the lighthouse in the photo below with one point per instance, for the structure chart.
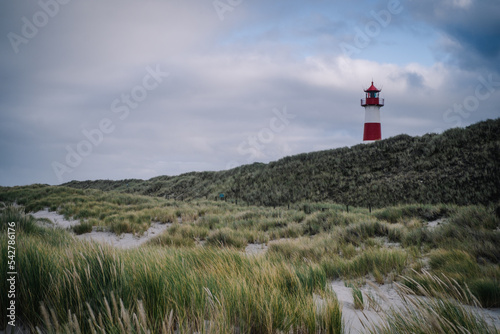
(372, 103)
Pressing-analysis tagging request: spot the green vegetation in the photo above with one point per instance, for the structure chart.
(226, 238)
(459, 166)
(197, 277)
(82, 228)
(118, 212)
(67, 285)
(357, 297)
(25, 223)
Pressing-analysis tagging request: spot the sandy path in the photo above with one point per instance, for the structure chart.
(126, 240)
(57, 219)
(386, 297)
(355, 319)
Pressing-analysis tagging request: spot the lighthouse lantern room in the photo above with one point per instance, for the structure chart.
(372, 103)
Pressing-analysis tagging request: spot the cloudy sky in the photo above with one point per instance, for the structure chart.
(116, 89)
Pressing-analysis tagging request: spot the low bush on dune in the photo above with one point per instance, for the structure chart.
(226, 238)
(84, 227)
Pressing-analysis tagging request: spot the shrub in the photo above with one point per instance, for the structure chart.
(475, 217)
(119, 227)
(384, 261)
(255, 237)
(487, 291)
(323, 222)
(85, 227)
(168, 240)
(226, 238)
(292, 230)
(209, 221)
(416, 237)
(312, 249)
(307, 208)
(357, 233)
(189, 231)
(454, 263)
(426, 212)
(25, 223)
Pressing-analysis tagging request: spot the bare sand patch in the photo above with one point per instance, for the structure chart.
(125, 240)
(57, 219)
(435, 223)
(380, 299)
(256, 249)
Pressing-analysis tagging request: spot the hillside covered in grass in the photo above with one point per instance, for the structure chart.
(459, 166)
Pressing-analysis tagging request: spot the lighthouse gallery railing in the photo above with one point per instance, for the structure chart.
(372, 101)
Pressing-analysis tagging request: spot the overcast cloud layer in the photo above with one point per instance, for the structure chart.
(135, 89)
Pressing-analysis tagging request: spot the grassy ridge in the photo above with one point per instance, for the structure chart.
(459, 166)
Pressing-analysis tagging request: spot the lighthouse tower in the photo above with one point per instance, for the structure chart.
(372, 103)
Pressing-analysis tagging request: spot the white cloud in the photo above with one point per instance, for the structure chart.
(462, 3)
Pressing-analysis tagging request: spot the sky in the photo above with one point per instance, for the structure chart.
(118, 89)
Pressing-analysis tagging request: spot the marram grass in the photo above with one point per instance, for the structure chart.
(87, 287)
(172, 284)
(441, 307)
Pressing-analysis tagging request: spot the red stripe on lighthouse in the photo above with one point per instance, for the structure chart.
(372, 131)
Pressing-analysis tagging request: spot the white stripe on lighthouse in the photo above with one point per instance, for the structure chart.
(372, 114)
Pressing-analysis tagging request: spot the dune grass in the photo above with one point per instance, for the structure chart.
(440, 307)
(357, 297)
(175, 283)
(82, 228)
(68, 285)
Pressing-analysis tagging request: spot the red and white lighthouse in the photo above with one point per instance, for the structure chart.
(372, 103)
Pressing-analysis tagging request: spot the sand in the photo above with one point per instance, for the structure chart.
(125, 240)
(256, 249)
(435, 223)
(57, 219)
(355, 320)
(385, 297)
